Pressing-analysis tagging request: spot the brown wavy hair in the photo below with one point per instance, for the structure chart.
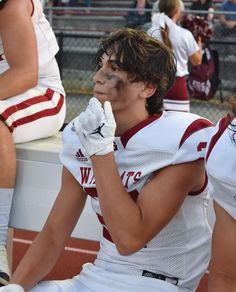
(144, 59)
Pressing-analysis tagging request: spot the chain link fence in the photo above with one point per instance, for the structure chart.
(79, 33)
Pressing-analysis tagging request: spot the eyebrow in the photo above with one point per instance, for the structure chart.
(115, 62)
(112, 61)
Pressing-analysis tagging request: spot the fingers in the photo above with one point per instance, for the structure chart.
(95, 103)
(95, 114)
(96, 128)
(109, 117)
(92, 115)
(94, 107)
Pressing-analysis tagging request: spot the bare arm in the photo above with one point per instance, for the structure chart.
(133, 224)
(222, 275)
(48, 245)
(227, 23)
(20, 48)
(196, 58)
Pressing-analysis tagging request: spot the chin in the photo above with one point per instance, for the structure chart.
(101, 97)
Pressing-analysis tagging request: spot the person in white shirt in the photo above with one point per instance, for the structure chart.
(32, 98)
(164, 27)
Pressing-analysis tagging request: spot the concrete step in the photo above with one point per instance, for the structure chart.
(124, 4)
(128, 3)
(88, 22)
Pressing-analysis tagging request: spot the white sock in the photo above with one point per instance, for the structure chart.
(5, 208)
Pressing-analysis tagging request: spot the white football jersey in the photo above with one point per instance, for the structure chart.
(221, 165)
(182, 248)
(49, 75)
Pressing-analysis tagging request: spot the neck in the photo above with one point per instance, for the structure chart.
(175, 17)
(126, 121)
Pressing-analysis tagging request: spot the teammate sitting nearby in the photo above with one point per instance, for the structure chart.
(144, 172)
(31, 94)
(221, 168)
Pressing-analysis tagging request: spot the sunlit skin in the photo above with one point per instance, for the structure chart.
(127, 98)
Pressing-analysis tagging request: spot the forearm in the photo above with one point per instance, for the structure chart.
(225, 22)
(196, 58)
(221, 282)
(16, 81)
(222, 276)
(37, 263)
(122, 215)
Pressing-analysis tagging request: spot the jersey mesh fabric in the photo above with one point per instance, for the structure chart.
(222, 180)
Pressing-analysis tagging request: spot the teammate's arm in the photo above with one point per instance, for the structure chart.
(48, 245)
(222, 276)
(20, 48)
(133, 224)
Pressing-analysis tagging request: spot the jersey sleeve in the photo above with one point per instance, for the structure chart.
(221, 165)
(224, 194)
(216, 134)
(193, 143)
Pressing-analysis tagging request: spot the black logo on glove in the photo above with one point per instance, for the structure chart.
(98, 131)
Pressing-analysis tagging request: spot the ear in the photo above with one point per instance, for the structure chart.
(148, 90)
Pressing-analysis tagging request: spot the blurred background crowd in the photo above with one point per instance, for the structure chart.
(80, 24)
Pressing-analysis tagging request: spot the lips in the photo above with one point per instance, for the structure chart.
(98, 93)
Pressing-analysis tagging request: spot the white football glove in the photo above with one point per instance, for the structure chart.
(12, 288)
(96, 128)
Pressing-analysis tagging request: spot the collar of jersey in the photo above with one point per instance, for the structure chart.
(128, 134)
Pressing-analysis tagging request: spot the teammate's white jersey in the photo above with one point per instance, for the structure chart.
(47, 48)
(221, 165)
(182, 248)
(41, 108)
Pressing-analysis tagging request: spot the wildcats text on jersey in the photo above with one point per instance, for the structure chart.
(128, 177)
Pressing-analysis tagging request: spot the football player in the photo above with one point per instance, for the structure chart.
(143, 169)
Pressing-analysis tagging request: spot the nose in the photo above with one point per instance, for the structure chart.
(98, 78)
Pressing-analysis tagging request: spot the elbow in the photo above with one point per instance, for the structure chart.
(124, 250)
(197, 60)
(129, 246)
(196, 63)
(32, 79)
(28, 77)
